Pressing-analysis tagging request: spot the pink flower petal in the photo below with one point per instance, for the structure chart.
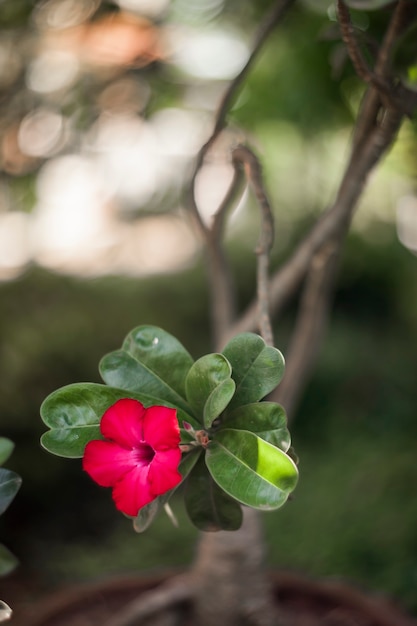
(163, 471)
(160, 427)
(107, 462)
(141, 459)
(123, 422)
(132, 492)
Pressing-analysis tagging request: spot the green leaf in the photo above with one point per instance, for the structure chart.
(151, 361)
(74, 413)
(7, 561)
(6, 448)
(161, 353)
(121, 370)
(251, 470)
(257, 368)
(9, 486)
(69, 442)
(209, 387)
(268, 420)
(208, 506)
(147, 514)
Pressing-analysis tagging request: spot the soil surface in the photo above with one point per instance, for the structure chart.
(303, 602)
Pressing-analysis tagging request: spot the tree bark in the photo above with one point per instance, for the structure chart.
(232, 586)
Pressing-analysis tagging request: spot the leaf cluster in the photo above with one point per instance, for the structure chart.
(235, 447)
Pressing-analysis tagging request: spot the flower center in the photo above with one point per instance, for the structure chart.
(143, 453)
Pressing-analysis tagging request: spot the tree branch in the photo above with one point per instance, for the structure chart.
(318, 254)
(403, 13)
(267, 26)
(309, 328)
(333, 223)
(243, 155)
(220, 276)
(221, 284)
(233, 194)
(379, 81)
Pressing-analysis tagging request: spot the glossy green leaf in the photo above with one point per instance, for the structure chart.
(209, 387)
(9, 486)
(7, 561)
(147, 514)
(218, 401)
(208, 506)
(121, 370)
(69, 442)
(151, 361)
(6, 448)
(367, 5)
(74, 412)
(257, 368)
(251, 470)
(268, 420)
(161, 353)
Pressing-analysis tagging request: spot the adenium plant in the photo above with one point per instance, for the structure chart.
(162, 419)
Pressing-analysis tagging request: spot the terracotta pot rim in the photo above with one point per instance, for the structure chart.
(289, 587)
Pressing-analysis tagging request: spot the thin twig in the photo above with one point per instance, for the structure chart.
(234, 193)
(402, 16)
(266, 27)
(220, 276)
(371, 103)
(350, 41)
(318, 289)
(362, 68)
(309, 328)
(318, 253)
(378, 127)
(222, 288)
(368, 149)
(336, 220)
(243, 155)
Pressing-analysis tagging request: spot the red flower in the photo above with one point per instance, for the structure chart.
(140, 456)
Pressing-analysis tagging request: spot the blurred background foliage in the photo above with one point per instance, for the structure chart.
(103, 106)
